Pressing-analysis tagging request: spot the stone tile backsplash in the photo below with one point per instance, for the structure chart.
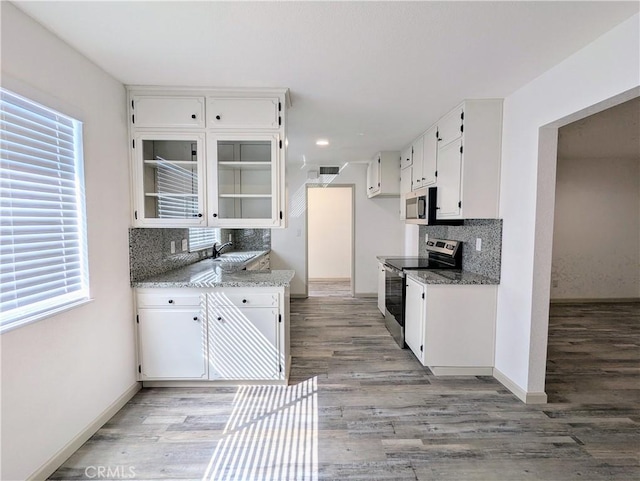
(485, 262)
(251, 239)
(150, 249)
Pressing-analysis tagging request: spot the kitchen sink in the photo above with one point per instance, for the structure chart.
(233, 257)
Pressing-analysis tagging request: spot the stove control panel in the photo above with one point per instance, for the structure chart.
(443, 246)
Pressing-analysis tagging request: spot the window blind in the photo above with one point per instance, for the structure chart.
(43, 249)
(202, 238)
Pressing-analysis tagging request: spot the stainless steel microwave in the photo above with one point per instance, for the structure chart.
(418, 208)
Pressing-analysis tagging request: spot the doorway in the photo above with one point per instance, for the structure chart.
(596, 230)
(595, 280)
(330, 240)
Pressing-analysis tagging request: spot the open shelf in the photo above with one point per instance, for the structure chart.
(155, 194)
(266, 165)
(245, 196)
(171, 162)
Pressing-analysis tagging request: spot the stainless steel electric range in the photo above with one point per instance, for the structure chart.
(441, 254)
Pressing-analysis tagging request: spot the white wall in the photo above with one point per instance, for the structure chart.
(329, 232)
(378, 230)
(604, 69)
(60, 374)
(596, 233)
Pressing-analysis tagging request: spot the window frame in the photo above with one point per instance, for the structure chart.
(32, 124)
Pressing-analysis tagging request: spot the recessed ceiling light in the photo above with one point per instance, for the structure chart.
(322, 142)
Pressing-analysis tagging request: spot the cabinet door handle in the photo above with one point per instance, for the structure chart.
(244, 301)
(170, 301)
(199, 215)
(215, 215)
(219, 318)
(195, 319)
(217, 117)
(193, 116)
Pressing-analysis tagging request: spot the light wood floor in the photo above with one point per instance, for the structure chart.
(359, 408)
(329, 288)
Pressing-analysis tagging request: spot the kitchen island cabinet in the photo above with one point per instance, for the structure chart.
(207, 324)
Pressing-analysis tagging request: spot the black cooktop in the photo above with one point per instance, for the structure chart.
(407, 263)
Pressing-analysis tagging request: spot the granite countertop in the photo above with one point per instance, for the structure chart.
(216, 273)
(450, 276)
(398, 256)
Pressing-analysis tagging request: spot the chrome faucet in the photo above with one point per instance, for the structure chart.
(218, 250)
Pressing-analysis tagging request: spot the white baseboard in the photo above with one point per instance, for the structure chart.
(526, 397)
(212, 384)
(48, 468)
(461, 371)
(330, 279)
(608, 300)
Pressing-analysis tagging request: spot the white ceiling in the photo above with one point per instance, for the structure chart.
(368, 76)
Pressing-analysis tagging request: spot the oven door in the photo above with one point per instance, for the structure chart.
(394, 302)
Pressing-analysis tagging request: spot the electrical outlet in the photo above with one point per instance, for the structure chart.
(173, 247)
(185, 245)
(478, 244)
(426, 238)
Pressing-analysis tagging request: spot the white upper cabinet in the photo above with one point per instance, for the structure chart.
(383, 175)
(168, 172)
(429, 156)
(223, 169)
(460, 155)
(469, 154)
(405, 188)
(449, 180)
(373, 176)
(450, 127)
(243, 171)
(244, 113)
(406, 159)
(167, 112)
(417, 152)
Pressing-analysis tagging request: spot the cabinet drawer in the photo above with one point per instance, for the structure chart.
(174, 112)
(167, 300)
(242, 300)
(247, 113)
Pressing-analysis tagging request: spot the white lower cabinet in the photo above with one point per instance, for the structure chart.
(236, 334)
(414, 318)
(172, 344)
(381, 288)
(452, 328)
(243, 343)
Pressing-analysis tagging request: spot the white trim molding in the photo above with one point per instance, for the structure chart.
(524, 396)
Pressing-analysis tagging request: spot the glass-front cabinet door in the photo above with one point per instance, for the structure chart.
(242, 179)
(170, 180)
